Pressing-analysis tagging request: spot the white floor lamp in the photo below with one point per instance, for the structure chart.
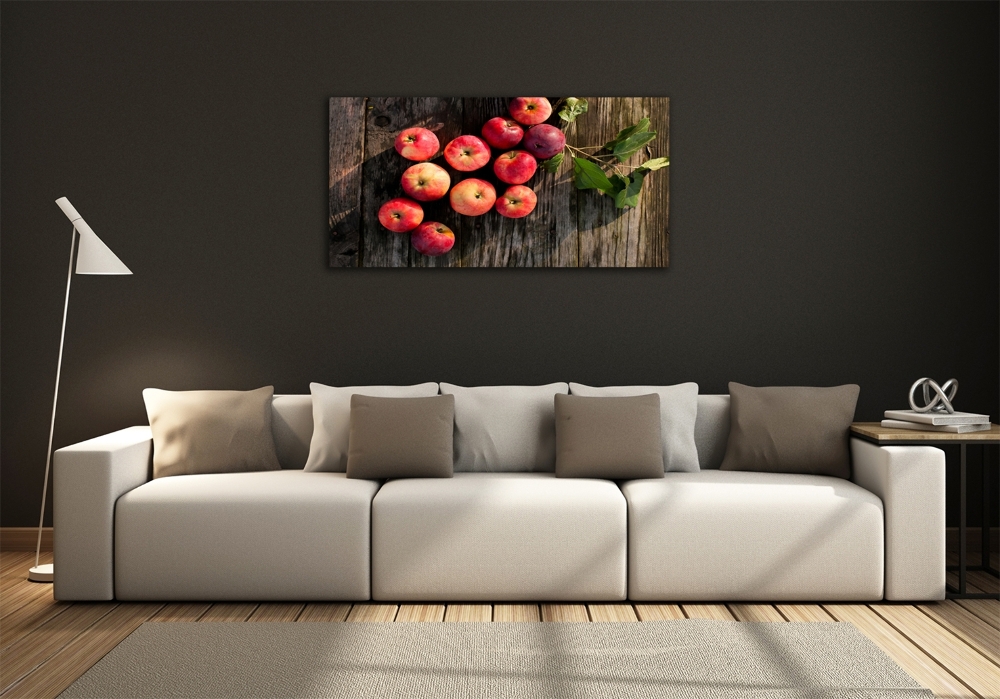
(93, 257)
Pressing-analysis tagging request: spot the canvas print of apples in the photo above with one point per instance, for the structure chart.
(499, 182)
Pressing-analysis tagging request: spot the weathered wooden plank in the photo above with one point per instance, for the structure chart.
(383, 167)
(277, 611)
(564, 612)
(918, 664)
(612, 612)
(708, 611)
(654, 231)
(347, 134)
(611, 237)
(516, 612)
(420, 612)
(659, 612)
(76, 657)
(804, 612)
(469, 612)
(229, 611)
(554, 220)
(182, 611)
(322, 611)
(372, 612)
(755, 612)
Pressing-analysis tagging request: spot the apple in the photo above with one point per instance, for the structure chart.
(472, 197)
(417, 144)
(530, 110)
(426, 181)
(502, 133)
(400, 215)
(467, 153)
(517, 202)
(544, 141)
(515, 167)
(432, 239)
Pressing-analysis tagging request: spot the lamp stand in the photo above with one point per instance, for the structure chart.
(45, 573)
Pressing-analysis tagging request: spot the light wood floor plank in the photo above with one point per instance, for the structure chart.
(32, 650)
(612, 612)
(755, 612)
(516, 612)
(469, 612)
(23, 594)
(984, 581)
(28, 618)
(966, 625)
(182, 611)
(708, 611)
(277, 611)
(76, 657)
(564, 612)
(229, 611)
(321, 611)
(804, 612)
(372, 612)
(659, 612)
(954, 654)
(12, 562)
(918, 664)
(420, 612)
(986, 609)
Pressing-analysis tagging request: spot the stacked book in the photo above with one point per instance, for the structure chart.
(936, 422)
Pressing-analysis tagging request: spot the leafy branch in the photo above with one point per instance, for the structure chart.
(604, 168)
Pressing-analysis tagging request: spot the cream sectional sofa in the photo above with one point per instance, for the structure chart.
(516, 535)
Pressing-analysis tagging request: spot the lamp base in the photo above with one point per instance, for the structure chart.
(43, 573)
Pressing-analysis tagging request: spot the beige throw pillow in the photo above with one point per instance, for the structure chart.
(617, 438)
(790, 429)
(401, 437)
(210, 431)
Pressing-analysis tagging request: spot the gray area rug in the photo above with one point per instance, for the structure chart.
(691, 658)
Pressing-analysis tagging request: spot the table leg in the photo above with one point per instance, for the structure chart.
(985, 541)
(961, 525)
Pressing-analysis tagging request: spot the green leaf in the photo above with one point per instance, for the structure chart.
(631, 195)
(553, 163)
(655, 164)
(643, 125)
(619, 184)
(632, 145)
(590, 176)
(574, 107)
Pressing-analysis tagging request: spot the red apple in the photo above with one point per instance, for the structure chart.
(426, 181)
(502, 133)
(472, 197)
(544, 141)
(400, 215)
(417, 144)
(530, 110)
(432, 239)
(515, 167)
(467, 153)
(517, 202)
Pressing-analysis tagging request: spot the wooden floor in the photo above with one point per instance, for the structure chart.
(951, 647)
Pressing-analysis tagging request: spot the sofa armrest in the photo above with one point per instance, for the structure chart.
(911, 483)
(88, 478)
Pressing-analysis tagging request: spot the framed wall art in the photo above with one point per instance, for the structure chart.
(499, 182)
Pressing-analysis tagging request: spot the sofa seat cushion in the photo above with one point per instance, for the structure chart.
(499, 536)
(267, 535)
(730, 535)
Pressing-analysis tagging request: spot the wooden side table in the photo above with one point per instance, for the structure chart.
(888, 436)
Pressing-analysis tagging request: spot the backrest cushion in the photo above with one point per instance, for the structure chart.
(711, 429)
(678, 413)
(505, 428)
(332, 419)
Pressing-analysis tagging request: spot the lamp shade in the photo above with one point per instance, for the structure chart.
(94, 256)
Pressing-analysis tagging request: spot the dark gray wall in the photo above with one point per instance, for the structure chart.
(834, 189)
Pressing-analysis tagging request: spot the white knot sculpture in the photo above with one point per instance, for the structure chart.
(944, 395)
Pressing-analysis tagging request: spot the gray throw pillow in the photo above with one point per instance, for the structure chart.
(678, 414)
(210, 431)
(617, 438)
(790, 429)
(401, 437)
